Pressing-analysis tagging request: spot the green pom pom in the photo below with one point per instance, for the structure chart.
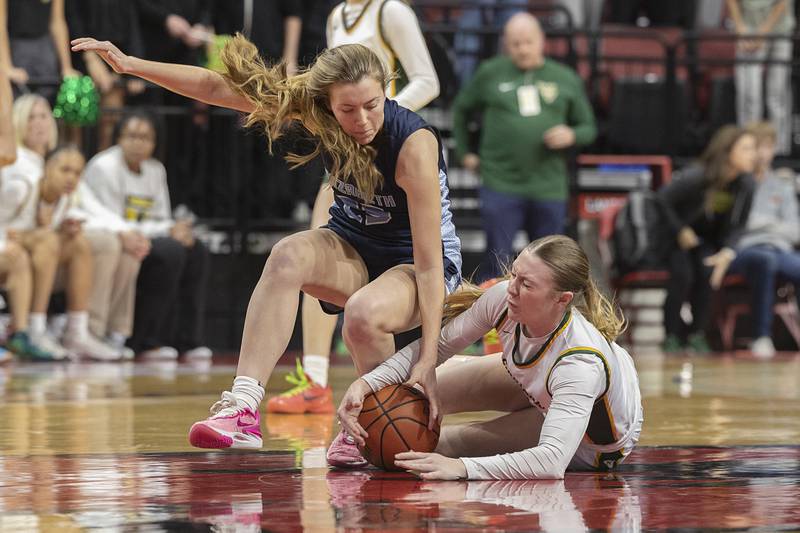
(213, 49)
(78, 102)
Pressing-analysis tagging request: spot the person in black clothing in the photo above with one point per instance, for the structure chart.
(706, 210)
(110, 19)
(39, 44)
(315, 18)
(173, 30)
(275, 27)
(260, 24)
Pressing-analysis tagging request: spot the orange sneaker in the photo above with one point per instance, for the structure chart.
(305, 397)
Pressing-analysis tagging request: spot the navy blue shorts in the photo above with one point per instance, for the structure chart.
(379, 257)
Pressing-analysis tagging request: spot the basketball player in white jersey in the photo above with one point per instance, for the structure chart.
(571, 393)
(391, 30)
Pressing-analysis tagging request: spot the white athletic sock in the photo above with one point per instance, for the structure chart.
(37, 323)
(248, 391)
(316, 367)
(78, 324)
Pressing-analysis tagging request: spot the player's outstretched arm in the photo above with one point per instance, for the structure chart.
(190, 81)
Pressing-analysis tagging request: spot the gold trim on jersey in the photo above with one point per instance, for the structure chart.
(349, 29)
(582, 349)
(601, 429)
(546, 346)
(389, 49)
(502, 320)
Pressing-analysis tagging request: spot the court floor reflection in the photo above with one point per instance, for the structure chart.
(661, 488)
(103, 446)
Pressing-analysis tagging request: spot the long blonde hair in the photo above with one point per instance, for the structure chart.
(280, 100)
(21, 115)
(571, 272)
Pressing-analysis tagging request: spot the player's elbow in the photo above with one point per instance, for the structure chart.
(435, 88)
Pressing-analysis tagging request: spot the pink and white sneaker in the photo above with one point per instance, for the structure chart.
(343, 452)
(230, 426)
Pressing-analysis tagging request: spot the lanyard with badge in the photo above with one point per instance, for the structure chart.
(528, 98)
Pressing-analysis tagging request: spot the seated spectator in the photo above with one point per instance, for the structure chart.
(766, 251)
(172, 280)
(39, 42)
(15, 267)
(118, 251)
(51, 229)
(38, 200)
(706, 210)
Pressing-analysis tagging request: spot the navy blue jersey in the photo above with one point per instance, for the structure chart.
(386, 218)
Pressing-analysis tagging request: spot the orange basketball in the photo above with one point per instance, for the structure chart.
(396, 418)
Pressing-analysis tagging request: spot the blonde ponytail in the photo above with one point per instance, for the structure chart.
(603, 314)
(460, 301)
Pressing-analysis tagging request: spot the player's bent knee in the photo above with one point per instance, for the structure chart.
(285, 262)
(362, 318)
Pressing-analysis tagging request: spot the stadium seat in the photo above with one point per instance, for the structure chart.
(732, 303)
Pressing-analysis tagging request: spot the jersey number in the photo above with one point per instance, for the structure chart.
(358, 211)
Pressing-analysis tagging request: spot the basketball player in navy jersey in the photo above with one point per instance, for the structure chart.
(389, 254)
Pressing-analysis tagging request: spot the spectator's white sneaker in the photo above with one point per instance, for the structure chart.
(763, 348)
(117, 341)
(162, 352)
(57, 325)
(45, 341)
(200, 352)
(89, 346)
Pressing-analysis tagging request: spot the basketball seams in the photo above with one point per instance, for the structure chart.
(399, 435)
(414, 400)
(385, 442)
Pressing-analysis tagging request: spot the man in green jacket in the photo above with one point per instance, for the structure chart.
(533, 110)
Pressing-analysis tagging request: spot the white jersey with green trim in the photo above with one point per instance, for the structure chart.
(586, 388)
(616, 415)
(398, 43)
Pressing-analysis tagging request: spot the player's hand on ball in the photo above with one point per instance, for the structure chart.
(431, 465)
(425, 375)
(350, 408)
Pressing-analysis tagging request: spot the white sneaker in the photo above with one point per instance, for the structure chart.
(91, 347)
(200, 352)
(763, 348)
(48, 343)
(162, 352)
(117, 341)
(57, 325)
